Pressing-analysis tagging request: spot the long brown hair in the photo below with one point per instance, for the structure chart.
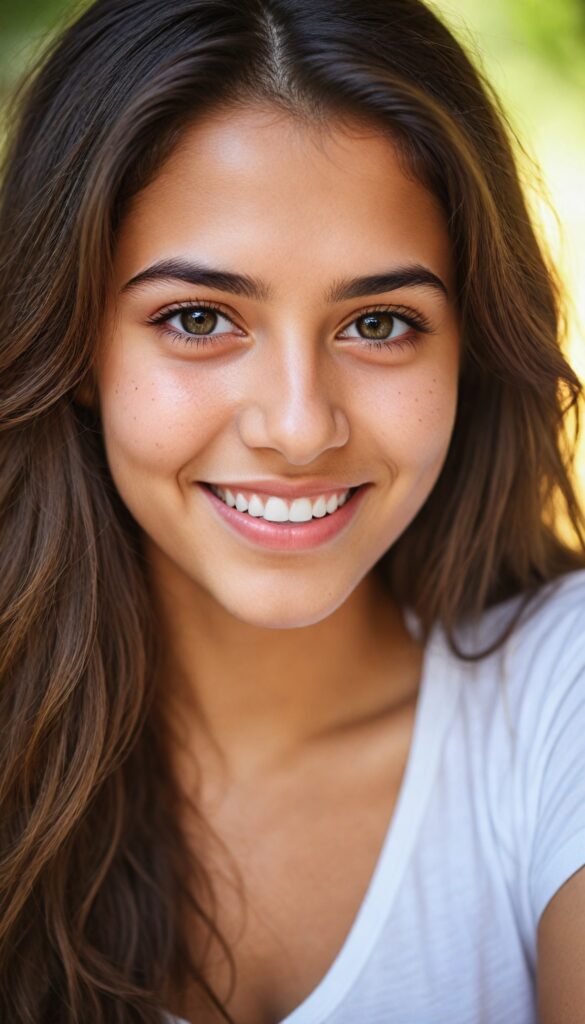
(94, 873)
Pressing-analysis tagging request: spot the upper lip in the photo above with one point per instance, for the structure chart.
(285, 489)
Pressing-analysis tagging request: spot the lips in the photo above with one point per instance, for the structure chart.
(313, 487)
(286, 536)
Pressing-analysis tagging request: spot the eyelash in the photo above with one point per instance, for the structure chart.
(414, 320)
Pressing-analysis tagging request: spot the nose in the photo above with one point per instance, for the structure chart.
(292, 407)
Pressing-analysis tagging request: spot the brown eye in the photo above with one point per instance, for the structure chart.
(375, 325)
(194, 325)
(387, 328)
(198, 321)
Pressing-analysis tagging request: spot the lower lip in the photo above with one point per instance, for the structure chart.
(287, 536)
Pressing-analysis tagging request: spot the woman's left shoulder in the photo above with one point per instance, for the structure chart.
(549, 634)
(562, 597)
(543, 658)
(545, 675)
(554, 619)
(534, 637)
(547, 679)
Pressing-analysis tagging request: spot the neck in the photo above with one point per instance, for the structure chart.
(258, 696)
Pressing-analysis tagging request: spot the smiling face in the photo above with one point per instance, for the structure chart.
(285, 378)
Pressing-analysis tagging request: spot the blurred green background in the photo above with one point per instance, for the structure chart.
(533, 51)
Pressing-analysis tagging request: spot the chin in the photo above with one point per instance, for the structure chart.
(278, 608)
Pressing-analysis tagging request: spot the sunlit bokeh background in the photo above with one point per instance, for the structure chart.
(533, 51)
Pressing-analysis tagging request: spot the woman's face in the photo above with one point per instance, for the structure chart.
(283, 327)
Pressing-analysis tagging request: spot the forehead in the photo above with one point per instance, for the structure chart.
(253, 185)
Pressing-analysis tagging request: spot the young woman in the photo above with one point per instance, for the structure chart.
(292, 657)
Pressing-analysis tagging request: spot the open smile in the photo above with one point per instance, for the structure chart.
(283, 524)
(276, 509)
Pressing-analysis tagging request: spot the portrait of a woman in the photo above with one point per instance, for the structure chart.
(292, 566)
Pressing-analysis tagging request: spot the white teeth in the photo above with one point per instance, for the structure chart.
(277, 510)
(320, 507)
(301, 510)
(256, 506)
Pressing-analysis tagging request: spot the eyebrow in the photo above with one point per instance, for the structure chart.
(408, 276)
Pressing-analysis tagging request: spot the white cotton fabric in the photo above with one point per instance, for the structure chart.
(489, 823)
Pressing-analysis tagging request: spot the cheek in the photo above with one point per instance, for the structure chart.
(426, 424)
(156, 417)
(411, 417)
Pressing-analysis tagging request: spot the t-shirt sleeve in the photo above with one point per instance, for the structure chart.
(556, 775)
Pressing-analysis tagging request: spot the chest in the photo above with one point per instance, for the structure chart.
(290, 868)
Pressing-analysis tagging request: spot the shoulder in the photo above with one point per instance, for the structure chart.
(539, 669)
(547, 645)
(545, 649)
(554, 615)
(544, 657)
(530, 696)
(545, 675)
(557, 863)
(535, 652)
(526, 702)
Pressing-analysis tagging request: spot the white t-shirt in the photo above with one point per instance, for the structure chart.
(489, 823)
